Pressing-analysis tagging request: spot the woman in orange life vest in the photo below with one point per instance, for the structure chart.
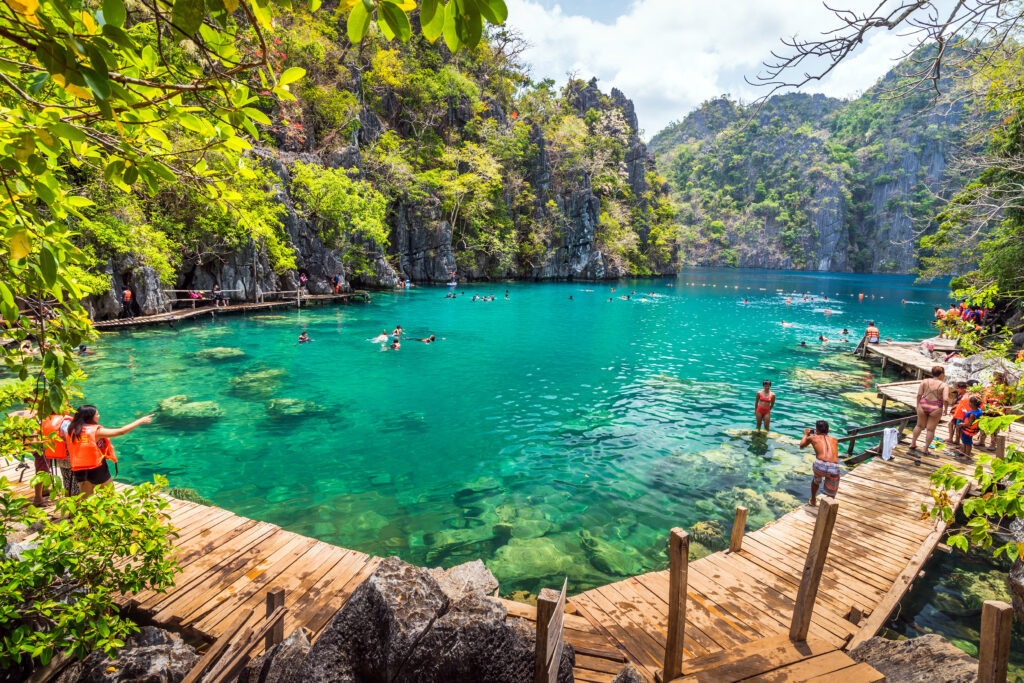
(763, 405)
(89, 447)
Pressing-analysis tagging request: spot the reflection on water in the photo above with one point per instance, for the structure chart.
(550, 436)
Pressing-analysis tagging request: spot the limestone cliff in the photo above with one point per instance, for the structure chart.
(811, 182)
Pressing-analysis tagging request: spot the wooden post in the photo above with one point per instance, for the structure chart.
(550, 619)
(885, 399)
(813, 567)
(885, 362)
(678, 565)
(994, 651)
(739, 525)
(275, 599)
(999, 443)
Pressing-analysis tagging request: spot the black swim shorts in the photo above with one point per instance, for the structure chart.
(95, 476)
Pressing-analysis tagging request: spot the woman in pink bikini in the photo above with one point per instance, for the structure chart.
(932, 399)
(763, 405)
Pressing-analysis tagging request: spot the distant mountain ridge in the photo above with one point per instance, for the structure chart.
(811, 182)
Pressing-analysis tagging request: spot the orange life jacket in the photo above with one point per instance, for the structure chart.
(54, 449)
(962, 406)
(126, 295)
(87, 453)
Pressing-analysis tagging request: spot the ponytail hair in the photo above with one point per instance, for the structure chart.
(83, 416)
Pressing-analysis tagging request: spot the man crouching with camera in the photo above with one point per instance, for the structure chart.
(826, 463)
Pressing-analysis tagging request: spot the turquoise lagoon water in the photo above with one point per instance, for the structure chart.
(550, 436)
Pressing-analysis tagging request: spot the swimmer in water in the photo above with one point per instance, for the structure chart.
(397, 332)
(394, 346)
(802, 344)
(828, 312)
(745, 301)
(789, 301)
(380, 338)
(570, 297)
(822, 338)
(427, 340)
(304, 338)
(785, 324)
(84, 350)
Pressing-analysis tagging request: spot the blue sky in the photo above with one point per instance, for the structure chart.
(671, 55)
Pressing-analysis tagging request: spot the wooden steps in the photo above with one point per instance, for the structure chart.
(777, 659)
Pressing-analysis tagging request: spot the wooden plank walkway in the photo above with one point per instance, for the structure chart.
(879, 545)
(906, 355)
(184, 314)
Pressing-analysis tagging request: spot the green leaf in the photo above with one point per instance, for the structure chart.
(257, 116)
(495, 10)
(358, 23)
(291, 75)
(433, 23)
(118, 36)
(48, 264)
(451, 33)
(314, 5)
(396, 20)
(187, 15)
(114, 12)
(98, 83)
(474, 24)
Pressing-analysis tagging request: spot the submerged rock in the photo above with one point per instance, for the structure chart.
(868, 399)
(697, 551)
(219, 353)
(928, 659)
(150, 656)
(709, 533)
(977, 587)
(609, 558)
(781, 502)
(180, 408)
(748, 498)
(400, 626)
(823, 377)
(532, 557)
(292, 407)
(258, 383)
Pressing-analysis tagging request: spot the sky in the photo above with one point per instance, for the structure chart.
(669, 56)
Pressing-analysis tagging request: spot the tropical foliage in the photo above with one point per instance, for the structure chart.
(59, 596)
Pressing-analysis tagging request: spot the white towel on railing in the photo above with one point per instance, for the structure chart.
(889, 439)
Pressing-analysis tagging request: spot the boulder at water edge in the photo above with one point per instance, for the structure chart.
(629, 675)
(150, 656)
(219, 353)
(400, 626)
(277, 663)
(928, 659)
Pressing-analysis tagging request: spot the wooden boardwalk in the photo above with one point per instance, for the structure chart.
(172, 317)
(879, 546)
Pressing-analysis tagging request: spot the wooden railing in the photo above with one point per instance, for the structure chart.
(877, 430)
(550, 634)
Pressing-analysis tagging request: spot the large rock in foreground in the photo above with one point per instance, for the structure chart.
(401, 626)
(928, 659)
(150, 656)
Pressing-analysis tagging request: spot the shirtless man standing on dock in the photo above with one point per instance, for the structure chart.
(826, 463)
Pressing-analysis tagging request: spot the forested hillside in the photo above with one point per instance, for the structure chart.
(402, 160)
(811, 182)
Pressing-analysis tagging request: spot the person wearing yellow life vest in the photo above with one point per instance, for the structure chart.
(55, 449)
(89, 447)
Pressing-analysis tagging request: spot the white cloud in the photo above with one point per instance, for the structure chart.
(668, 56)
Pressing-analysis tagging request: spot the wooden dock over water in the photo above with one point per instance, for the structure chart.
(207, 309)
(739, 603)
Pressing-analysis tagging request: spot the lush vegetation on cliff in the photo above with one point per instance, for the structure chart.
(812, 182)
